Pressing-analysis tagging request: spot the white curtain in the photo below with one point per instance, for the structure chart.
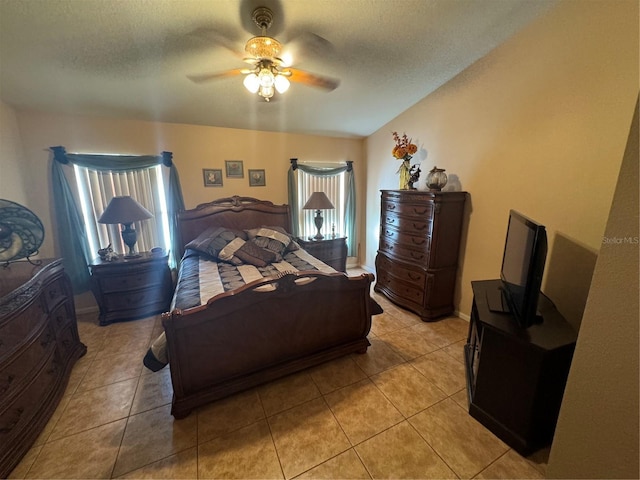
(97, 188)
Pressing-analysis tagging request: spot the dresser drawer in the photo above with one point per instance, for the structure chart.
(22, 367)
(391, 235)
(415, 209)
(408, 292)
(19, 412)
(53, 294)
(15, 328)
(136, 299)
(411, 225)
(402, 251)
(413, 276)
(131, 281)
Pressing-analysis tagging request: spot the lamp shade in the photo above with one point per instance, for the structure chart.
(124, 210)
(318, 201)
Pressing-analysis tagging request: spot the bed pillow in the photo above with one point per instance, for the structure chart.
(247, 252)
(214, 239)
(274, 239)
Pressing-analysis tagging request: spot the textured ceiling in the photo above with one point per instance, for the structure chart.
(131, 58)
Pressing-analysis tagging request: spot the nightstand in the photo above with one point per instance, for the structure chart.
(131, 288)
(332, 251)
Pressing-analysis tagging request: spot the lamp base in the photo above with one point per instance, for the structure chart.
(318, 220)
(129, 237)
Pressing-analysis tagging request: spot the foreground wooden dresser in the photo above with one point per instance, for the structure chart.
(39, 345)
(417, 258)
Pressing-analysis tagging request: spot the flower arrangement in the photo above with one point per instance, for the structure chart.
(404, 150)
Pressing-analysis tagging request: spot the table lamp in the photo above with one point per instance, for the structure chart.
(125, 210)
(318, 201)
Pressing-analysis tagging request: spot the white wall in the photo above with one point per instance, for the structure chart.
(12, 166)
(194, 148)
(597, 435)
(539, 125)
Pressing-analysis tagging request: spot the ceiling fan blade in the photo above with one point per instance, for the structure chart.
(307, 45)
(319, 81)
(206, 77)
(214, 37)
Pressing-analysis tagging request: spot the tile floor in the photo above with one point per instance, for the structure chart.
(399, 411)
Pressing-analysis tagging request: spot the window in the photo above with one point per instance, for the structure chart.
(146, 185)
(335, 188)
(337, 182)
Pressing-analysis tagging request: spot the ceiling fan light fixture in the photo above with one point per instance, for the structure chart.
(251, 82)
(266, 92)
(282, 83)
(266, 78)
(263, 47)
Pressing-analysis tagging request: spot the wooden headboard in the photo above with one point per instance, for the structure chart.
(238, 213)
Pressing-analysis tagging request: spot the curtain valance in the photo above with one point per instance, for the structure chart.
(113, 163)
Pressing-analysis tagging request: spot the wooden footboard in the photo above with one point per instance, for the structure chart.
(267, 329)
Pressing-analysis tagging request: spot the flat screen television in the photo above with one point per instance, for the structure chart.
(523, 260)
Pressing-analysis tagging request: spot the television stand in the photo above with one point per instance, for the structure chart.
(497, 300)
(516, 376)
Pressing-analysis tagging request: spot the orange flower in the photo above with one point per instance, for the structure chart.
(404, 149)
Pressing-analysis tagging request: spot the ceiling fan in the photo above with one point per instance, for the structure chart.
(269, 72)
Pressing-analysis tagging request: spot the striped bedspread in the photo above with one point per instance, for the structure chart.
(201, 279)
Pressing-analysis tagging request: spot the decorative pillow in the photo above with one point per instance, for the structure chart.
(247, 252)
(213, 240)
(274, 239)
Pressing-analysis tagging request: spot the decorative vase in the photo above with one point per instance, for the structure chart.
(436, 179)
(405, 166)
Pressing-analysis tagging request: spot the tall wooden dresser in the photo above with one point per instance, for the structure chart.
(39, 345)
(417, 258)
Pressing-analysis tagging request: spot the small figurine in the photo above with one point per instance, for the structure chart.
(414, 176)
(106, 254)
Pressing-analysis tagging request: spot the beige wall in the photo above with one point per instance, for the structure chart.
(538, 125)
(12, 186)
(603, 384)
(194, 148)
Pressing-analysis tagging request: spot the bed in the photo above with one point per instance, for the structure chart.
(271, 317)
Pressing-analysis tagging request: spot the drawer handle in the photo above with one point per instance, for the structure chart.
(391, 220)
(420, 212)
(391, 207)
(417, 256)
(417, 241)
(413, 276)
(419, 226)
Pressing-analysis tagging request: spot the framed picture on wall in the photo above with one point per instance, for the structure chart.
(212, 177)
(256, 178)
(234, 168)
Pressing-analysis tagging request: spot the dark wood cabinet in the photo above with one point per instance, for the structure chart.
(516, 376)
(131, 288)
(39, 345)
(332, 251)
(417, 260)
